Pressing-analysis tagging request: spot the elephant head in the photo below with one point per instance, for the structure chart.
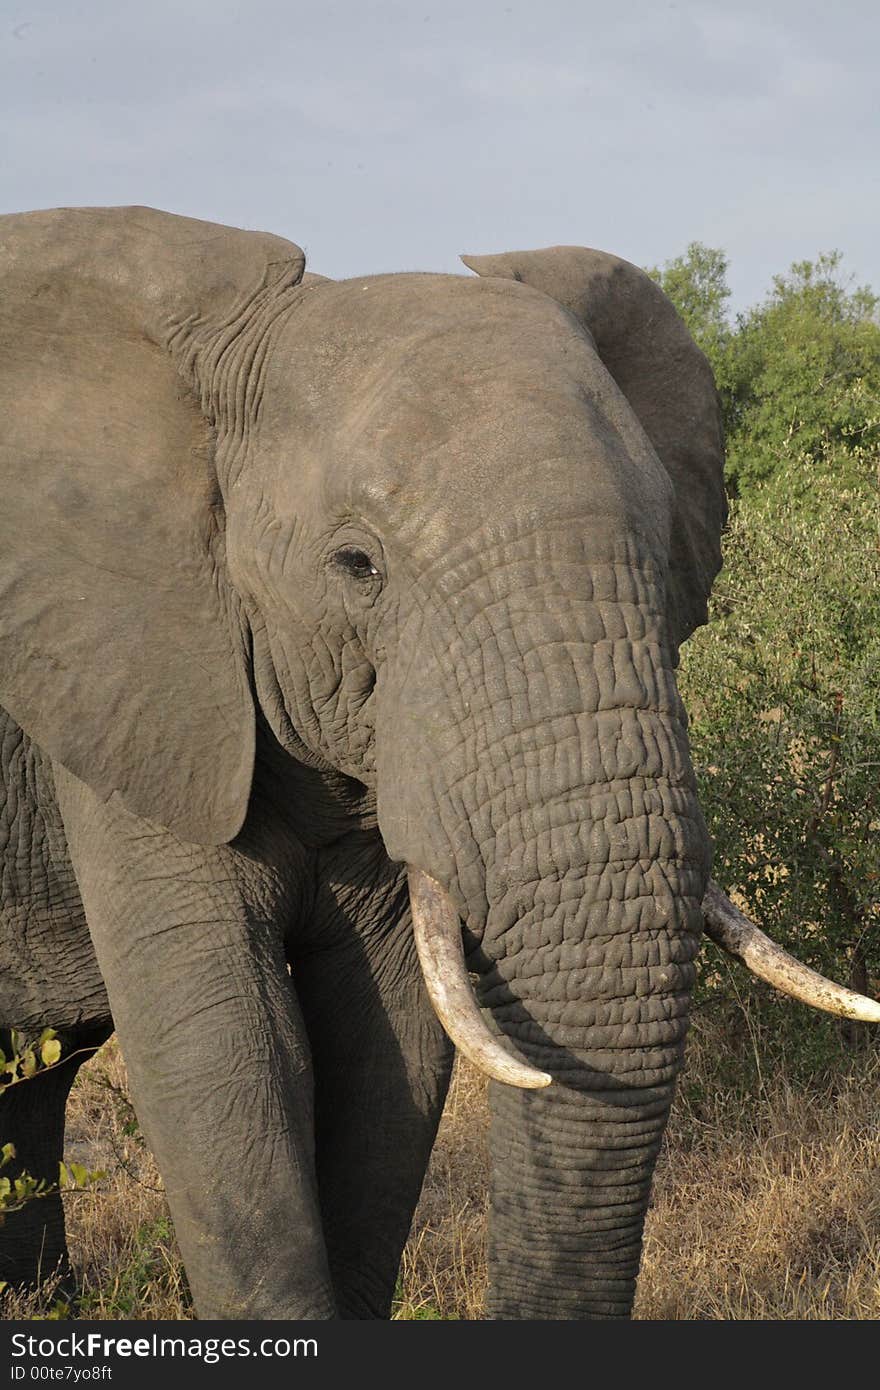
(437, 539)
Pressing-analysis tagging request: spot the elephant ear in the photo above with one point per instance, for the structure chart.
(667, 381)
(124, 342)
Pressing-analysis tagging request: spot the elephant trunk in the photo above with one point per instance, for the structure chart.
(549, 792)
(586, 975)
(588, 972)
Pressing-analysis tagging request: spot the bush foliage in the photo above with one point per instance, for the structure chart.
(783, 685)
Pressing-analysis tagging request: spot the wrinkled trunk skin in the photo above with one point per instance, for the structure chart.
(557, 805)
(597, 993)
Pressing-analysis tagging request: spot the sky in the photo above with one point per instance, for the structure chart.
(398, 134)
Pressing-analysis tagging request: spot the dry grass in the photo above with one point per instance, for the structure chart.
(119, 1233)
(443, 1272)
(765, 1207)
(768, 1207)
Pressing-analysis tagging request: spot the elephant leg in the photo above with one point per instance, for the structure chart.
(32, 1240)
(382, 1065)
(189, 939)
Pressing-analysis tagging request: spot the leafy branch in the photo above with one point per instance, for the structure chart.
(28, 1061)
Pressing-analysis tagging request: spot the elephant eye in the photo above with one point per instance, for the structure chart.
(356, 563)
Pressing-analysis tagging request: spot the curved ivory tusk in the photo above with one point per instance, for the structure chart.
(437, 931)
(733, 931)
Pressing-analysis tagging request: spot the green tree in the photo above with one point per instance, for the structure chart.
(783, 684)
(798, 374)
(801, 379)
(785, 711)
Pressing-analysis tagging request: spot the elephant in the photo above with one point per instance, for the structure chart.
(339, 726)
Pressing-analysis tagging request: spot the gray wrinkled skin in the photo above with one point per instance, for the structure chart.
(302, 582)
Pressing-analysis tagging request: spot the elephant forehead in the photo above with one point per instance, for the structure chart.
(347, 316)
(357, 343)
(439, 396)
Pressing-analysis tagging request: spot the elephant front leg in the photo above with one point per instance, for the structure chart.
(189, 943)
(382, 1066)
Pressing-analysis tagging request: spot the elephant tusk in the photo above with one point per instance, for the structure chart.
(732, 930)
(437, 932)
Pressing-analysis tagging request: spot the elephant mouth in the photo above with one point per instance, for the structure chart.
(438, 939)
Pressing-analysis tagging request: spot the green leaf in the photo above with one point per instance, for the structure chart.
(50, 1052)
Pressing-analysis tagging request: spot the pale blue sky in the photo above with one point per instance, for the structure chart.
(391, 136)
